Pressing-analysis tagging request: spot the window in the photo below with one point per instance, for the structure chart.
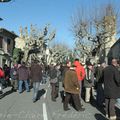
(8, 41)
(1, 41)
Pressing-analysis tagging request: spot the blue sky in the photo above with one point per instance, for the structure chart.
(40, 12)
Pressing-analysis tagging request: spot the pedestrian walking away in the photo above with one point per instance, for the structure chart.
(36, 77)
(23, 76)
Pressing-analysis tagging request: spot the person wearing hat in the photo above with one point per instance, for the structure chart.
(72, 89)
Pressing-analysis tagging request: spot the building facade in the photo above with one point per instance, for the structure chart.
(7, 44)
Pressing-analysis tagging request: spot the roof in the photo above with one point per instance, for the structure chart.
(117, 42)
(114, 51)
(2, 30)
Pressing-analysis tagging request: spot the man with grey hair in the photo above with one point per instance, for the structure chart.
(111, 79)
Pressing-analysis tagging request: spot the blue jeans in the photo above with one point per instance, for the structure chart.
(26, 85)
(36, 86)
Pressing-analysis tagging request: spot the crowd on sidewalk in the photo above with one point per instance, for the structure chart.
(79, 82)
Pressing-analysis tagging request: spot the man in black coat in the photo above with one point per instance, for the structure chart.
(111, 79)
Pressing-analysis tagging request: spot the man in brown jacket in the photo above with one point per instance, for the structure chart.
(72, 89)
(36, 77)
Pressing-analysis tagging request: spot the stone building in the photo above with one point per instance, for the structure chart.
(6, 46)
(109, 26)
(114, 51)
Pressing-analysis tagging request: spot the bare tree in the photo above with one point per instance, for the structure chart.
(60, 53)
(93, 33)
(35, 43)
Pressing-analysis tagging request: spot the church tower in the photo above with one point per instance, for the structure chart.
(109, 24)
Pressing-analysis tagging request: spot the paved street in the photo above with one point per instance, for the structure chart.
(16, 106)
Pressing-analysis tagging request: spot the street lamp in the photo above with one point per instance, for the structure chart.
(5, 0)
(1, 19)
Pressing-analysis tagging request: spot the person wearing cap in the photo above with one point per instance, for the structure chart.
(72, 89)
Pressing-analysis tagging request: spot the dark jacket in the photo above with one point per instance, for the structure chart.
(36, 72)
(13, 73)
(99, 75)
(23, 73)
(111, 82)
(89, 78)
(71, 84)
(53, 73)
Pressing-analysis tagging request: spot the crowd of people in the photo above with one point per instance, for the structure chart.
(79, 81)
(83, 81)
(20, 77)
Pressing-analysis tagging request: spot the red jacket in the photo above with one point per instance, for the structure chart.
(80, 70)
(1, 73)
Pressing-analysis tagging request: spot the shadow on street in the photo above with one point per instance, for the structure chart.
(40, 93)
(6, 93)
(100, 117)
